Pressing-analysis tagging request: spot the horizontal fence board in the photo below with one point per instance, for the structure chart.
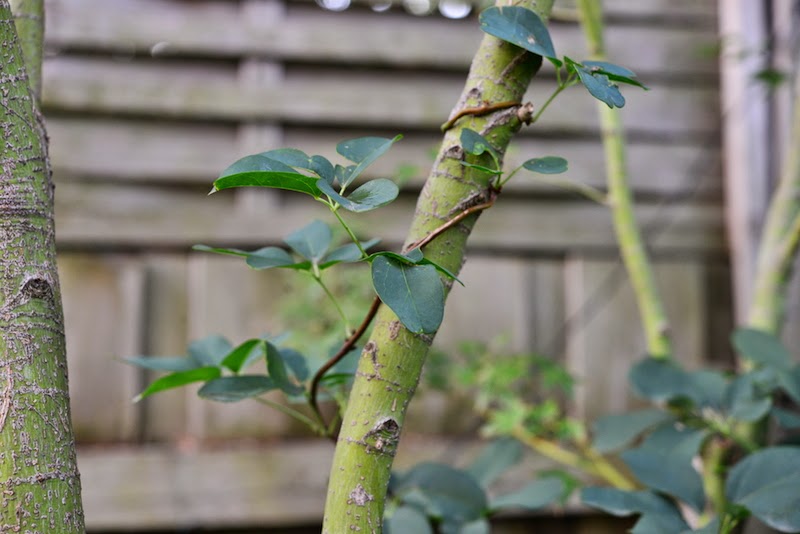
(278, 485)
(309, 33)
(387, 100)
(102, 215)
(142, 151)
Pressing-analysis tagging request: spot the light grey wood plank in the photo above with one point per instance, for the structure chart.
(314, 96)
(152, 216)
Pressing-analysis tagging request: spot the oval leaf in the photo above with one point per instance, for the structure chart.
(443, 492)
(406, 519)
(535, 495)
(210, 350)
(474, 143)
(237, 358)
(613, 432)
(175, 380)
(277, 371)
(260, 171)
(362, 151)
(269, 257)
(767, 483)
(495, 459)
(371, 195)
(413, 292)
(761, 347)
(348, 253)
(519, 26)
(236, 388)
(546, 165)
(624, 503)
(601, 87)
(311, 241)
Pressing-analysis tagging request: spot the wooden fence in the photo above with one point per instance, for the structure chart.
(148, 100)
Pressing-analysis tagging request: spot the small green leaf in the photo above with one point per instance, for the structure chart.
(519, 26)
(608, 68)
(296, 363)
(260, 171)
(288, 156)
(414, 257)
(236, 358)
(270, 257)
(236, 388)
(163, 363)
(369, 196)
(405, 520)
(478, 526)
(413, 292)
(749, 396)
(624, 503)
(347, 253)
(767, 483)
(761, 347)
(537, 494)
(612, 432)
(546, 165)
(787, 419)
(226, 251)
(277, 371)
(495, 459)
(362, 151)
(181, 378)
(789, 381)
(601, 87)
(658, 380)
(475, 144)
(443, 491)
(664, 463)
(210, 350)
(311, 241)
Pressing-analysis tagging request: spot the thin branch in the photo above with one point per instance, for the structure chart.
(478, 111)
(452, 222)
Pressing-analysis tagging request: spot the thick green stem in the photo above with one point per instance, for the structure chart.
(29, 20)
(392, 359)
(41, 490)
(779, 239)
(620, 196)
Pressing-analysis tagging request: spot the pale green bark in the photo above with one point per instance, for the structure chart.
(631, 245)
(392, 360)
(38, 469)
(779, 239)
(29, 20)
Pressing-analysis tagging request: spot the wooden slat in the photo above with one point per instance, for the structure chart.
(150, 216)
(391, 100)
(308, 33)
(103, 307)
(142, 151)
(604, 334)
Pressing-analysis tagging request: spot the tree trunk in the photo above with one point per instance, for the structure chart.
(392, 359)
(38, 469)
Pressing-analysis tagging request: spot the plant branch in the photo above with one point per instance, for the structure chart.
(478, 111)
(632, 247)
(452, 222)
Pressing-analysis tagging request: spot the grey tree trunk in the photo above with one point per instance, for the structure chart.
(39, 479)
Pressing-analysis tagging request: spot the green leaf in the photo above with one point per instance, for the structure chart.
(347, 253)
(413, 292)
(181, 378)
(475, 144)
(236, 358)
(601, 87)
(537, 494)
(369, 196)
(613, 432)
(749, 396)
(615, 73)
(789, 381)
(495, 459)
(163, 363)
(406, 519)
(311, 241)
(787, 419)
(762, 348)
(767, 483)
(226, 251)
(443, 492)
(260, 171)
(210, 350)
(546, 165)
(270, 257)
(276, 368)
(414, 257)
(624, 503)
(664, 463)
(658, 380)
(519, 26)
(362, 151)
(236, 388)
(478, 526)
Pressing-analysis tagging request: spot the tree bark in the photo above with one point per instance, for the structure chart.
(38, 469)
(392, 359)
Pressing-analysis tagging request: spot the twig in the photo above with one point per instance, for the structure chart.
(478, 111)
(452, 222)
(343, 351)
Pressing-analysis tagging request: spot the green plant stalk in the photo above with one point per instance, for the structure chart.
(348, 330)
(38, 468)
(29, 20)
(392, 359)
(714, 455)
(779, 240)
(620, 197)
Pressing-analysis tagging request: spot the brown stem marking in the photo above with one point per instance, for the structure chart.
(478, 111)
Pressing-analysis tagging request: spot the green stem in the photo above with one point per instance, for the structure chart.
(335, 210)
(392, 360)
(552, 97)
(291, 412)
(632, 248)
(348, 330)
(714, 455)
